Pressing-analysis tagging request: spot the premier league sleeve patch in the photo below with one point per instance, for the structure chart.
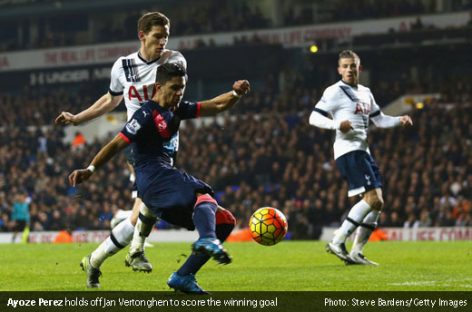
(133, 126)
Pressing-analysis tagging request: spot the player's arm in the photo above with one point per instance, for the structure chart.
(320, 116)
(385, 121)
(226, 100)
(104, 155)
(381, 120)
(129, 133)
(103, 105)
(320, 119)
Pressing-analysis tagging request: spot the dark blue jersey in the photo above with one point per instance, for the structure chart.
(170, 193)
(154, 131)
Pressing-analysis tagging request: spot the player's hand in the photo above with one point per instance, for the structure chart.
(79, 176)
(405, 120)
(345, 126)
(241, 87)
(66, 118)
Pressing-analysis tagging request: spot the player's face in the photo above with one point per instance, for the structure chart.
(172, 92)
(154, 42)
(349, 70)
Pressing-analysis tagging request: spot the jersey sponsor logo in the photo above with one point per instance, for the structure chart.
(161, 125)
(363, 108)
(133, 126)
(141, 94)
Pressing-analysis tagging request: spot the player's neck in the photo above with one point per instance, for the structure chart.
(159, 101)
(354, 84)
(148, 57)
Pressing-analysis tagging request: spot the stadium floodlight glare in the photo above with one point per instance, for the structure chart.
(419, 105)
(313, 48)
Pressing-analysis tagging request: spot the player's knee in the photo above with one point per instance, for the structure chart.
(374, 199)
(224, 216)
(145, 214)
(205, 198)
(377, 203)
(225, 223)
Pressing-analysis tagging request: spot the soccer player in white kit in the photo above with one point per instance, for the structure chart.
(351, 107)
(132, 79)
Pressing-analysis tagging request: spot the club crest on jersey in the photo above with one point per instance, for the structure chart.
(133, 126)
(363, 108)
(161, 125)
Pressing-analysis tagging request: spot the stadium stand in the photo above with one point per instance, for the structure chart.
(264, 152)
(72, 23)
(431, 161)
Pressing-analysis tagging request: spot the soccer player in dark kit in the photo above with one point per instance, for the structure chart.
(168, 193)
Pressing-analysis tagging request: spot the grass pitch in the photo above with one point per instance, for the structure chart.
(288, 266)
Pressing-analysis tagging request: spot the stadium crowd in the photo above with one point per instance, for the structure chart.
(289, 91)
(200, 17)
(265, 154)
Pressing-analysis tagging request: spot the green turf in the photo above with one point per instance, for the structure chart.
(286, 266)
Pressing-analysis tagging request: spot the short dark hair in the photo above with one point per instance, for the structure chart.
(349, 54)
(168, 71)
(151, 19)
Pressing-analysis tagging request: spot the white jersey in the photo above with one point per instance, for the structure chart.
(356, 104)
(134, 78)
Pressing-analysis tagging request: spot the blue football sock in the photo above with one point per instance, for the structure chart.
(196, 261)
(204, 219)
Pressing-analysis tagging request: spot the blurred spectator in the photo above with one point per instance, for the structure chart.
(417, 25)
(20, 215)
(268, 155)
(199, 17)
(79, 141)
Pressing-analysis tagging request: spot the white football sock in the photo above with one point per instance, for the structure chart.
(363, 233)
(119, 217)
(142, 229)
(121, 234)
(357, 214)
(137, 243)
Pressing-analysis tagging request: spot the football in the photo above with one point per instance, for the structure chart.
(268, 226)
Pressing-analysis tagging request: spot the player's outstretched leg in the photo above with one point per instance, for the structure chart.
(135, 257)
(337, 246)
(119, 238)
(184, 278)
(205, 222)
(363, 233)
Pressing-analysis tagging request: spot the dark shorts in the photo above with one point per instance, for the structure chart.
(360, 171)
(19, 226)
(171, 194)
